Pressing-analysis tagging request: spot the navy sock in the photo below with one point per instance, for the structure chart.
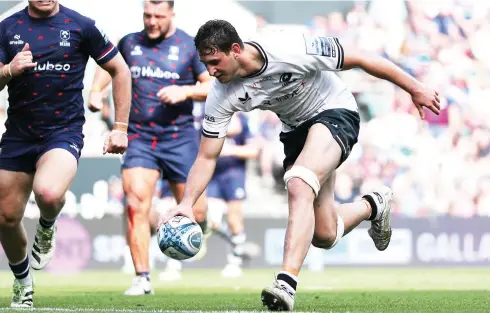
(288, 279)
(21, 269)
(45, 223)
(144, 274)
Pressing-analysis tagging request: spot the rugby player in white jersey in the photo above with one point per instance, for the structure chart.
(294, 77)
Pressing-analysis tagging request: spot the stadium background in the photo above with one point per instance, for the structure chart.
(439, 169)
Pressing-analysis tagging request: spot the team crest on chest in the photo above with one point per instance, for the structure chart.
(64, 36)
(173, 53)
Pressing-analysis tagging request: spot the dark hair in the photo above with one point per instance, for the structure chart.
(170, 3)
(216, 35)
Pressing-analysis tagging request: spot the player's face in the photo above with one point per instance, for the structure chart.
(157, 18)
(44, 7)
(221, 65)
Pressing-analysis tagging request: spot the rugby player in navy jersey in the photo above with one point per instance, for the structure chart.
(43, 53)
(228, 185)
(163, 141)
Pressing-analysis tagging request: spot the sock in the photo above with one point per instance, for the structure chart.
(144, 274)
(288, 280)
(204, 225)
(237, 242)
(374, 207)
(21, 270)
(46, 224)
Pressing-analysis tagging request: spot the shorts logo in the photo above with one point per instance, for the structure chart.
(65, 36)
(75, 147)
(209, 118)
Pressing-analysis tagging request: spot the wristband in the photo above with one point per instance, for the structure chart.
(5, 69)
(120, 126)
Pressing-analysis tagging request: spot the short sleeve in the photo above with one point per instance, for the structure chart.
(197, 66)
(98, 45)
(3, 48)
(310, 53)
(216, 115)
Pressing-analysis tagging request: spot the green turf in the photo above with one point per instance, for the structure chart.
(335, 290)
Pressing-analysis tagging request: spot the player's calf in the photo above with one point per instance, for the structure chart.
(328, 238)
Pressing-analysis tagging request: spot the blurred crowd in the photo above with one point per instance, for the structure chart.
(438, 166)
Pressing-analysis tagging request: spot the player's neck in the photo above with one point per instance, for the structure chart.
(251, 61)
(33, 12)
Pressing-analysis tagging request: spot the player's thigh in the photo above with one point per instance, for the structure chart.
(139, 186)
(15, 189)
(55, 171)
(322, 143)
(321, 153)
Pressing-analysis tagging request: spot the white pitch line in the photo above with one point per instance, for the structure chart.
(113, 310)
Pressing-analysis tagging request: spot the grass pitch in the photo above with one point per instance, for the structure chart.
(335, 290)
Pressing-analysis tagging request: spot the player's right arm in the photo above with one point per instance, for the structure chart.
(21, 62)
(216, 120)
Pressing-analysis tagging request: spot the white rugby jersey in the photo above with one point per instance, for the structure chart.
(296, 82)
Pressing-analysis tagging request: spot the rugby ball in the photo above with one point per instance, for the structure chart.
(180, 238)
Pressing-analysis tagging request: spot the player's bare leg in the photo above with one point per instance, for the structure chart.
(139, 185)
(349, 215)
(15, 188)
(238, 239)
(55, 171)
(329, 224)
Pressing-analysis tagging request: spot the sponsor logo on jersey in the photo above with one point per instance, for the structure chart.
(48, 66)
(209, 118)
(16, 40)
(153, 72)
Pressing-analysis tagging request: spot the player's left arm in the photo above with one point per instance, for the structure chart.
(380, 67)
(107, 56)
(121, 81)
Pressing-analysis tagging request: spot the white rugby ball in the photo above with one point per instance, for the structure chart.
(180, 238)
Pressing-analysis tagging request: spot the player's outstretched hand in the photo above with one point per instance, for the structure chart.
(173, 94)
(95, 103)
(116, 142)
(180, 209)
(22, 61)
(426, 97)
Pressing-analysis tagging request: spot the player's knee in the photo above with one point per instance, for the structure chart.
(328, 237)
(47, 197)
(10, 219)
(300, 181)
(298, 189)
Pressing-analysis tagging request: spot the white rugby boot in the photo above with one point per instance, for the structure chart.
(141, 286)
(278, 297)
(43, 247)
(22, 294)
(380, 230)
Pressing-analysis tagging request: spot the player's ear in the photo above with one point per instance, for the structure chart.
(236, 49)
